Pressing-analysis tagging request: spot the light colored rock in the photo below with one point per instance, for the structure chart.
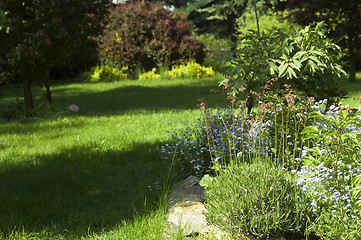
(186, 212)
(188, 218)
(187, 190)
(73, 108)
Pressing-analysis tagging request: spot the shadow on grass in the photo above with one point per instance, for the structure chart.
(79, 190)
(139, 98)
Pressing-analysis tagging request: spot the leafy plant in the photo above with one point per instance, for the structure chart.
(337, 216)
(259, 199)
(187, 149)
(336, 138)
(190, 70)
(105, 73)
(268, 21)
(12, 110)
(152, 75)
(357, 191)
(223, 136)
(336, 224)
(142, 32)
(304, 58)
(40, 35)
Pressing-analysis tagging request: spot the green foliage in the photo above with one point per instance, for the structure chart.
(259, 199)
(104, 73)
(341, 18)
(217, 17)
(142, 32)
(221, 17)
(151, 75)
(15, 110)
(336, 224)
(190, 70)
(305, 58)
(319, 145)
(97, 163)
(42, 35)
(214, 46)
(2, 18)
(334, 140)
(267, 22)
(357, 191)
(12, 110)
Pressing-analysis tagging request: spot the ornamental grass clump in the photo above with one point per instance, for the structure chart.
(259, 199)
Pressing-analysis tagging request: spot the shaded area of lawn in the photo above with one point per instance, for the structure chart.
(79, 189)
(353, 90)
(138, 98)
(77, 174)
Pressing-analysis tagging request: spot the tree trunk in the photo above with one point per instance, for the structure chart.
(47, 86)
(255, 11)
(28, 96)
(352, 60)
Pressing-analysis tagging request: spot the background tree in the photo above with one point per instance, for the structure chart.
(221, 17)
(46, 33)
(342, 19)
(144, 33)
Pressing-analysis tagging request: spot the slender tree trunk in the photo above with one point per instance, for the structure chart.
(28, 96)
(352, 59)
(256, 13)
(47, 86)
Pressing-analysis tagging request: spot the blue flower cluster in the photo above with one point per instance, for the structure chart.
(327, 191)
(187, 150)
(226, 135)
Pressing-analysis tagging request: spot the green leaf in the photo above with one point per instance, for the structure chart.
(310, 129)
(205, 181)
(317, 115)
(282, 69)
(291, 73)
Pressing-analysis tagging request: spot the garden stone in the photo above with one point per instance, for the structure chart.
(187, 190)
(186, 212)
(73, 108)
(188, 218)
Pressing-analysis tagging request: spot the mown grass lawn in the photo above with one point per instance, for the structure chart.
(353, 92)
(88, 174)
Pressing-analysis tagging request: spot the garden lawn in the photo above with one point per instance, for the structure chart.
(354, 92)
(96, 173)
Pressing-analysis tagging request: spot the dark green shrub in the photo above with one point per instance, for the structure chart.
(258, 199)
(144, 33)
(12, 110)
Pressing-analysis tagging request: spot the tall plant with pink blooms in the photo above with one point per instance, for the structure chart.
(306, 59)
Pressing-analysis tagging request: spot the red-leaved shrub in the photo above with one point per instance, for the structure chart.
(141, 32)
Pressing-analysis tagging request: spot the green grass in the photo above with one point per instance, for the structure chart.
(86, 175)
(353, 92)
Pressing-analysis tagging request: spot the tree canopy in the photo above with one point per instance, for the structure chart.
(45, 33)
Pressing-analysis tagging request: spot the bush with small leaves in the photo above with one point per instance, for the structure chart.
(190, 70)
(105, 74)
(152, 75)
(144, 33)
